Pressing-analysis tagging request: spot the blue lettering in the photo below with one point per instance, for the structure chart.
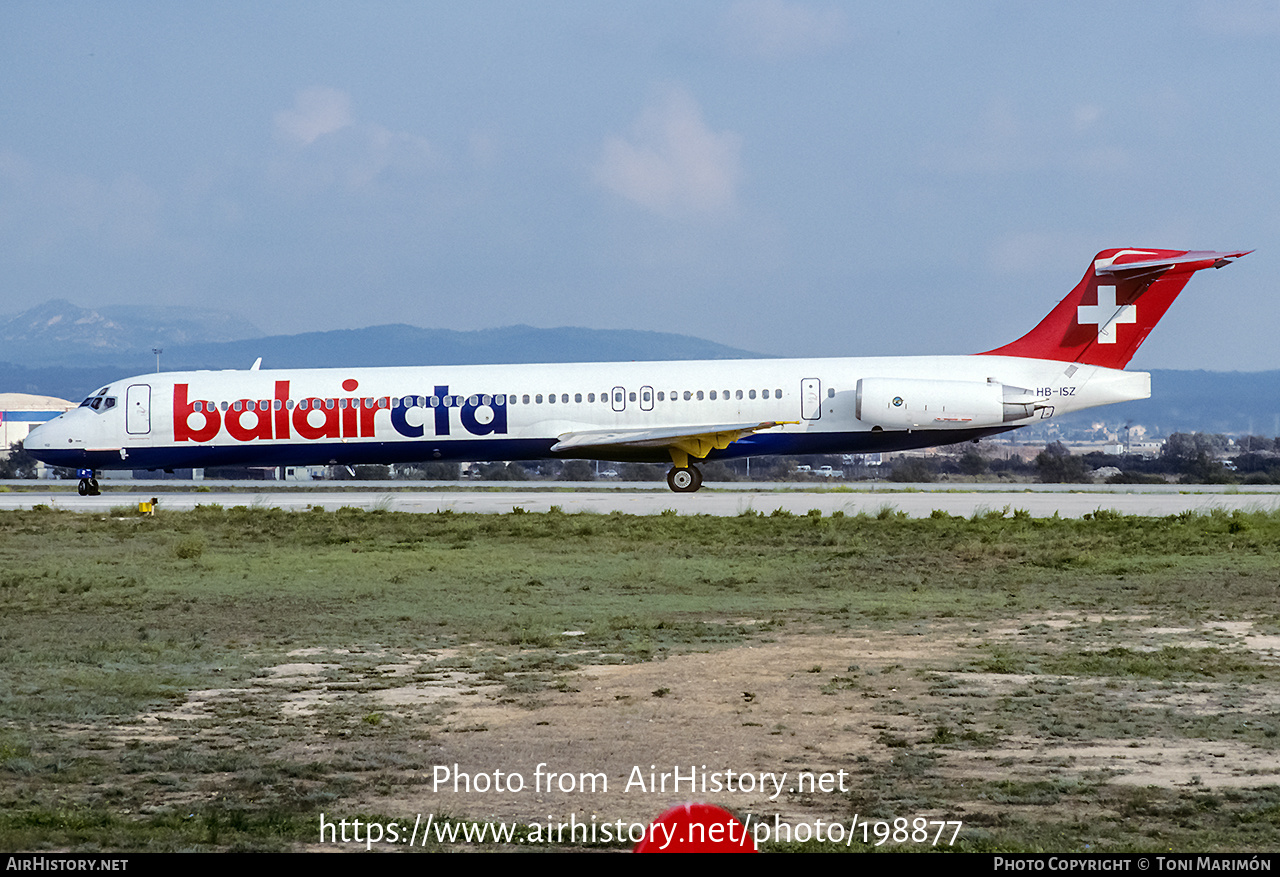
(498, 424)
(480, 415)
(402, 424)
(442, 410)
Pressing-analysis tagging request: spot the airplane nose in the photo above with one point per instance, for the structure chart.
(44, 436)
(36, 436)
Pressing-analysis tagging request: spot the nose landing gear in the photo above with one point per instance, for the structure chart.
(88, 485)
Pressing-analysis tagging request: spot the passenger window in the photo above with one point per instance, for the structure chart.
(617, 397)
(660, 396)
(713, 395)
(577, 397)
(591, 397)
(751, 394)
(538, 398)
(777, 394)
(831, 393)
(699, 395)
(739, 394)
(564, 397)
(764, 394)
(525, 399)
(632, 395)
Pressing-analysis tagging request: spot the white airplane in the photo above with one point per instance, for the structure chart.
(634, 411)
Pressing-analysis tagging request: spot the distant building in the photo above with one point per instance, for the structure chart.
(19, 412)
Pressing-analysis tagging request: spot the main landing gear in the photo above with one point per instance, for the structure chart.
(88, 485)
(684, 479)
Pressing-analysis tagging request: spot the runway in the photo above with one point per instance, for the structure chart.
(1068, 501)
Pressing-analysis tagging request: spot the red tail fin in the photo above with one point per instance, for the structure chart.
(1120, 299)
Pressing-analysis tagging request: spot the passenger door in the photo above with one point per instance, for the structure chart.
(810, 398)
(137, 409)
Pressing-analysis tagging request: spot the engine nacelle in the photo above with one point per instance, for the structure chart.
(913, 403)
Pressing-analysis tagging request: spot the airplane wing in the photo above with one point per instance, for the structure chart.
(688, 441)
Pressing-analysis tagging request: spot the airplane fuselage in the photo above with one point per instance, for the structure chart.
(387, 415)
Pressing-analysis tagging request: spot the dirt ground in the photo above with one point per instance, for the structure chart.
(833, 711)
(823, 704)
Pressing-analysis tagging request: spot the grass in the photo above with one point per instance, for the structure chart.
(107, 620)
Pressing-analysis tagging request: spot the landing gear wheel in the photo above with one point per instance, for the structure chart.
(93, 486)
(684, 479)
(83, 487)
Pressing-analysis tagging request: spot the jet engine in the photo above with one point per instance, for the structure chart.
(915, 403)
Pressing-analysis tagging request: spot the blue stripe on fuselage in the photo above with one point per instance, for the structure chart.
(451, 449)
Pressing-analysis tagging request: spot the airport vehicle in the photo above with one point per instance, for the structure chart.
(634, 411)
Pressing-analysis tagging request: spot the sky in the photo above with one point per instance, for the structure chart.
(792, 178)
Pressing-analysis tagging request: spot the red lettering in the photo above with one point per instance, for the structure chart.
(368, 409)
(281, 404)
(261, 425)
(182, 411)
(327, 428)
(349, 426)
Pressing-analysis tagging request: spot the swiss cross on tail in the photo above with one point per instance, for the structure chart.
(1119, 300)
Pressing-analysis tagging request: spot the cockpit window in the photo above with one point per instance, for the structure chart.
(99, 402)
(89, 400)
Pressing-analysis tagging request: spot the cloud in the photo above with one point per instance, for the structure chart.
(331, 146)
(315, 112)
(1028, 253)
(673, 163)
(43, 211)
(1003, 139)
(774, 29)
(1240, 18)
